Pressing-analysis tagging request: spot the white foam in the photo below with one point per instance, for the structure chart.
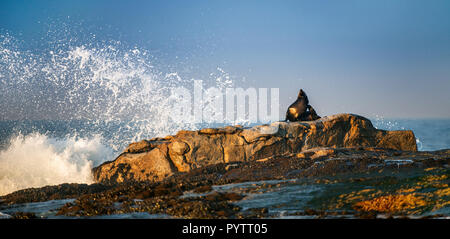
(37, 160)
(4, 216)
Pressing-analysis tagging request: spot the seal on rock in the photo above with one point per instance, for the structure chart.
(301, 110)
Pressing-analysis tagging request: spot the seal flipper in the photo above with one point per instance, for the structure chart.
(312, 113)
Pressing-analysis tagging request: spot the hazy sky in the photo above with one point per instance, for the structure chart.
(388, 58)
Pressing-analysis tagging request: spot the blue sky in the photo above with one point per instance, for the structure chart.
(387, 58)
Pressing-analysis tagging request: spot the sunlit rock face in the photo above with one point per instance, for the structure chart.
(158, 158)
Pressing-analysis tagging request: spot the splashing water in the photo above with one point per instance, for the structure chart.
(388, 124)
(101, 83)
(114, 91)
(37, 160)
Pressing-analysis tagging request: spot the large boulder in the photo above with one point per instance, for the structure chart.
(159, 158)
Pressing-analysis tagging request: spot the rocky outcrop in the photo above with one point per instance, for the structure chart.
(158, 158)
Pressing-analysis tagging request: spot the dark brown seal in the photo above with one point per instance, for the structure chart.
(301, 110)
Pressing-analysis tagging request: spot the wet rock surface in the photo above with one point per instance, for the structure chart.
(62, 191)
(337, 183)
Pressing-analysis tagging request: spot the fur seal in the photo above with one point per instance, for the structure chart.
(301, 110)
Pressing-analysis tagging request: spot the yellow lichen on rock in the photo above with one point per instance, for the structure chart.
(434, 181)
(442, 192)
(406, 190)
(391, 203)
(349, 198)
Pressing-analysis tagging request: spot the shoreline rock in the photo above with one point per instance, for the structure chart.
(346, 172)
(363, 172)
(155, 159)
